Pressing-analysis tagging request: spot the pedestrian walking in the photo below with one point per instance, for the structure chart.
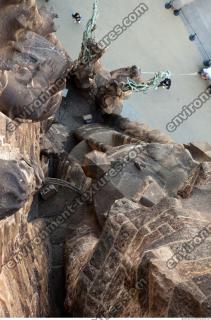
(76, 17)
(205, 73)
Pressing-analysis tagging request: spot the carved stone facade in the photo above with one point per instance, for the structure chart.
(24, 255)
(111, 220)
(153, 254)
(34, 64)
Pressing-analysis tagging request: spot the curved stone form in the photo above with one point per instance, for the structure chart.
(137, 130)
(125, 218)
(153, 171)
(24, 266)
(103, 138)
(77, 252)
(84, 72)
(148, 173)
(103, 85)
(69, 170)
(133, 270)
(31, 61)
(16, 185)
(31, 83)
(24, 246)
(110, 96)
(153, 254)
(23, 15)
(53, 139)
(20, 170)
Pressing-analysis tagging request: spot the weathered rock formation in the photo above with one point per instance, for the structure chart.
(34, 69)
(24, 247)
(110, 94)
(84, 72)
(105, 86)
(32, 61)
(113, 222)
(133, 270)
(153, 255)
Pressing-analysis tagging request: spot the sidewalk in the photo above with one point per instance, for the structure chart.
(197, 18)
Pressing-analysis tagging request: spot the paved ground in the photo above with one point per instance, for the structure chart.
(197, 18)
(157, 41)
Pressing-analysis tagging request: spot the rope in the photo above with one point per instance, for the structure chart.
(89, 33)
(153, 83)
(173, 74)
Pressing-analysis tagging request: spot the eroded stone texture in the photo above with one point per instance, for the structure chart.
(137, 170)
(137, 130)
(131, 272)
(126, 214)
(110, 95)
(21, 173)
(77, 253)
(24, 267)
(53, 139)
(103, 85)
(16, 185)
(32, 60)
(84, 72)
(153, 254)
(200, 151)
(24, 261)
(33, 73)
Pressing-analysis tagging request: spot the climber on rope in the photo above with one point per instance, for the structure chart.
(76, 17)
(166, 83)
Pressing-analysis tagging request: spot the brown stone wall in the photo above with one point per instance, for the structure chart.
(23, 269)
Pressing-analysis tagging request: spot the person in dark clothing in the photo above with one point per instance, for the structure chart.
(209, 89)
(76, 17)
(166, 83)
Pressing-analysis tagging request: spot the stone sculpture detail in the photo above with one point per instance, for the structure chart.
(111, 219)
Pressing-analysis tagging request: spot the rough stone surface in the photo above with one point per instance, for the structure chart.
(131, 272)
(31, 60)
(33, 73)
(200, 151)
(24, 261)
(152, 257)
(115, 223)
